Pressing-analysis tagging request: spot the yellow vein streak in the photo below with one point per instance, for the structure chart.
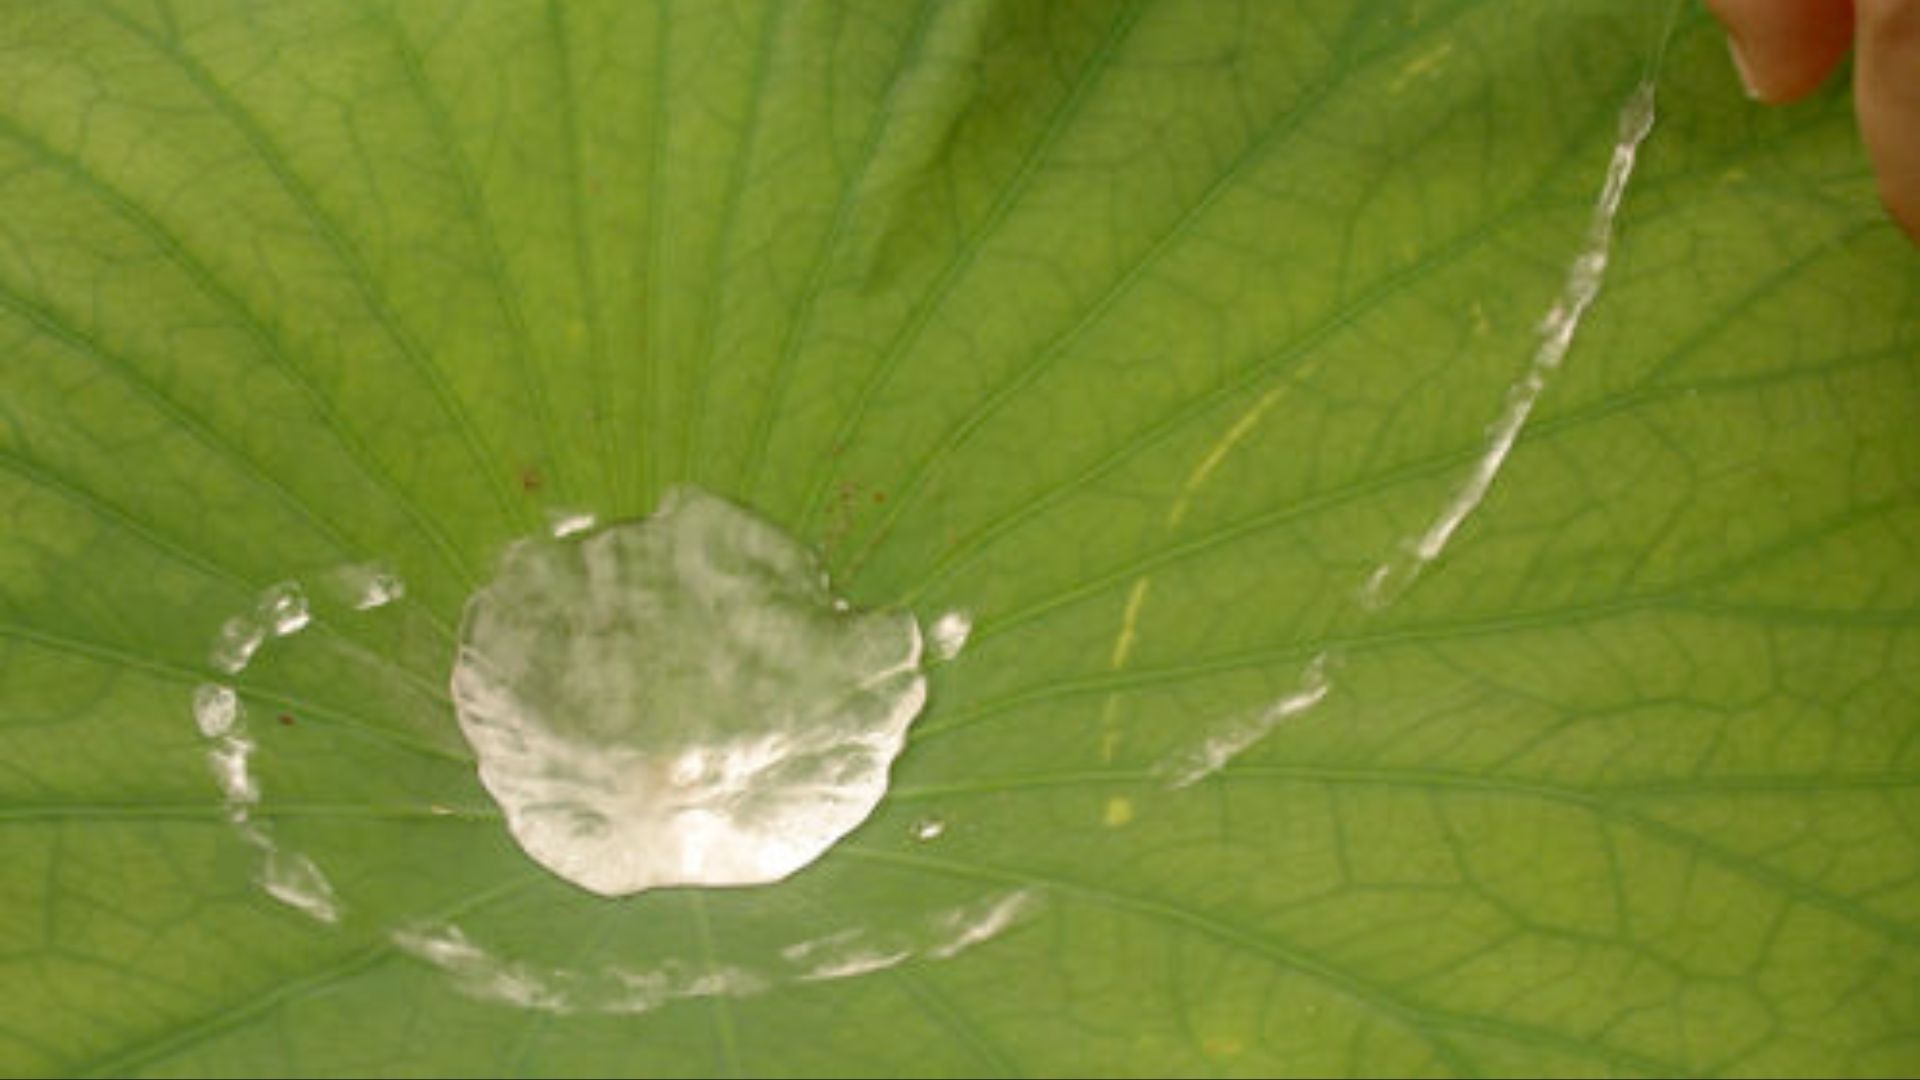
(1203, 471)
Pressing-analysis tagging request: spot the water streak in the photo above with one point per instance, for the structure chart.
(1232, 739)
(1584, 278)
(1390, 580)
(614, 990)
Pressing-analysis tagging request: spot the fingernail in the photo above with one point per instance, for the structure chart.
(1741, 65)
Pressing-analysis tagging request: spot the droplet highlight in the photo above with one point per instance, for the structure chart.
(565, 523)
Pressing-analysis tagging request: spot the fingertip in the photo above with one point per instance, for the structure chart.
(1887, 95)
(1784, 49)
(1900, 194)
(1909, 222)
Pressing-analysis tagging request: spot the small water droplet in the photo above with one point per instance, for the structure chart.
(283, 609)
(229, 760)
(369, 585)
(948, 635)
(928, 829)
(215, 709)
(238, 640)
(687, 683)
(294, 880)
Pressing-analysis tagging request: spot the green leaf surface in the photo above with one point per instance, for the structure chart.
(1144, 332)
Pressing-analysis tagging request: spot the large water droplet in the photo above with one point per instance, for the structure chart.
(679, 701)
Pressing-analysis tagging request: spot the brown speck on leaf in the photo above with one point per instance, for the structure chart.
(879, 496)
(530, 479)
(286, 719)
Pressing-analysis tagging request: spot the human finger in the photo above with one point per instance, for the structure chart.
(1887, 94)
(1784, 49)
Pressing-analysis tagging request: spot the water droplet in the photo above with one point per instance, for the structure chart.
(928, 829)
(369, 585)
(280, 610)
(239, 639)
(949, 635)
(229, 760)
(215, 709)
(294, 880)
(283, 609)
(676, 700)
